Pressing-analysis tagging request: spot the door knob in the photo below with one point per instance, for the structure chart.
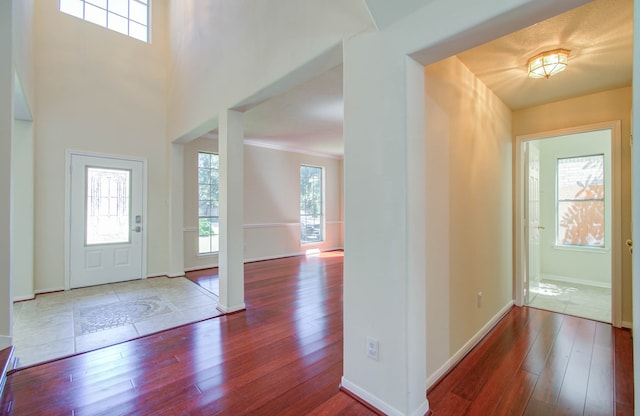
(540, 227)
(137, 229)
(629, 243)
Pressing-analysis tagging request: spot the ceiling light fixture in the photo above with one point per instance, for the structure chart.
(548, 63)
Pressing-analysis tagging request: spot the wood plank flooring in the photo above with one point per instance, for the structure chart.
(283, 356)
(536, 362)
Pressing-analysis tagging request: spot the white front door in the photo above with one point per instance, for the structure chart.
(106, 220)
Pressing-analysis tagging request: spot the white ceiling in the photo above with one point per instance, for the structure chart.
(306, 118)
(598, 34)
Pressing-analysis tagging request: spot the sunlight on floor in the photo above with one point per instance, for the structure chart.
(585, 301)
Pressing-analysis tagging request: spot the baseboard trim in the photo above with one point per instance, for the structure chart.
(51, 290)
(231, 309)
(627, 324)
(567, 279)
(255, 259)
(282, 256)
(436, 377)
(24, 298)
(375, 403)
(201, 267)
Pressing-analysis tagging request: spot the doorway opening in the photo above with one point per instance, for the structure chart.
(568, 204)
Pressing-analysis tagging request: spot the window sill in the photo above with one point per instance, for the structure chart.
(212, 254)
(582, 249)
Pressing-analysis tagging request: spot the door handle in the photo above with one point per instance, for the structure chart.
(137, 229)
(629, 243)
(540, 227)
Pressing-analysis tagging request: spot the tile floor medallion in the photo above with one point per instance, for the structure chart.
(585, 301)
(98, 318)
(58, 324)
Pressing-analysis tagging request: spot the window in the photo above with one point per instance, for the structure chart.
(108, 206)
(580, 196)
(208, 221)
(129, 17)
(311, 204)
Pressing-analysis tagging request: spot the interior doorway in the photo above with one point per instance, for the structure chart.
(569, 222)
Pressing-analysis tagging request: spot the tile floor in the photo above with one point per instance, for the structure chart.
(585, 301)
(58, 324)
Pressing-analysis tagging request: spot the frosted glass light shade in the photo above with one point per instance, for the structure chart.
(548, 63)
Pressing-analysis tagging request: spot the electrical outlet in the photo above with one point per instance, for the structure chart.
(479, 299)
(372, 348)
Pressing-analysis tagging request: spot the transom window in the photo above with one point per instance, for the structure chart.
(129, 17)
(580, 198)
(208, 220)
(311, 204)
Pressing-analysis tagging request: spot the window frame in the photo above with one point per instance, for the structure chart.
(109, 12)
(207, 217)
(558, 242)
(321, 226)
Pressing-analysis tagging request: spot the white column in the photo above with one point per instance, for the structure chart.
(176, 210)
(6, 131)
(231, 170)
(384, 270)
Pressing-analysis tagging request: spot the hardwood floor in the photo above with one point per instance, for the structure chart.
(536, 362)
(283, 356)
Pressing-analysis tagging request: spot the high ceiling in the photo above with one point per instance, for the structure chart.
(598, 34)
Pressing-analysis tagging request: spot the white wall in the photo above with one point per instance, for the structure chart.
(23, 17)
(469, 210)
(6, 134)
(98, 91)
(590, 266)
(22, 205)
(271, 203)
(376, 130)
(224, 52)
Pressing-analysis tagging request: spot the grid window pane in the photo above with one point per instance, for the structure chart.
(120, 7)
(208, 221)
(72, 7)
(138, 12)
(98, 3)
(580, 201)
(129, 17)
(117, 23)
(138, 31)
(95, 15)
(311, 204)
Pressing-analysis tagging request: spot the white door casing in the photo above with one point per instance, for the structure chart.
(522, 226)
(532, 213)
(105, 219)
